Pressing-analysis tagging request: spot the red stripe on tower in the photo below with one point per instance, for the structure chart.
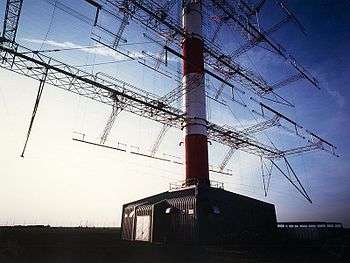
(192, 50)
(195, 126)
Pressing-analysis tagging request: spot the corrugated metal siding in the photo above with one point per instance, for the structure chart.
(184, 223)
(239, 216)
(129, 214)
(127, 223)
(144, 210)
(162, 196)
(161, 222)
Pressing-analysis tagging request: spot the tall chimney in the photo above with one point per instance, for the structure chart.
(195, 126)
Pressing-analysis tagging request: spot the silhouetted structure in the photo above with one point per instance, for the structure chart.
(197, 214)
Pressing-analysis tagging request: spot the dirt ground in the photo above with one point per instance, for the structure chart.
(74, 245)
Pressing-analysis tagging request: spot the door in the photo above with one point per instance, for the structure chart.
(143, 224)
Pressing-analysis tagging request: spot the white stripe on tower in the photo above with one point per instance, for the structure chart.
(195, 126)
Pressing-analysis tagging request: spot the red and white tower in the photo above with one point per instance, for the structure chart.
(195, 126)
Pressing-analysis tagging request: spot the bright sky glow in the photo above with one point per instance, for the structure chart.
(63, 182)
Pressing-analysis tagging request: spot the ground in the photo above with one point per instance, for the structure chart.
(81, 244)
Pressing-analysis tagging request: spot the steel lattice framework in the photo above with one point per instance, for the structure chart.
(122, 96)
(132, 99)
(12, 14)
(151, 15)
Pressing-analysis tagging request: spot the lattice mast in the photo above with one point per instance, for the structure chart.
(195, 125)
(121, 95)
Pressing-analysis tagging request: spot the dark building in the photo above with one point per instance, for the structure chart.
(197, 215)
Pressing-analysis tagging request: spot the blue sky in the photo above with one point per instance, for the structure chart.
(88, 185)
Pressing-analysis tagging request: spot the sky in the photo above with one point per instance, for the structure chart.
(63, 182)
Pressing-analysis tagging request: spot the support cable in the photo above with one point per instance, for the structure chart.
(298, 185)
(36, 105)
(50, 25)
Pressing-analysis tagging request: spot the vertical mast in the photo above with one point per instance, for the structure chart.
(195, 126)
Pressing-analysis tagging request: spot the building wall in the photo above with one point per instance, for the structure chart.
(177, 223)
(127, 222)
(224, 216)
(200, 215)
(183, 219)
